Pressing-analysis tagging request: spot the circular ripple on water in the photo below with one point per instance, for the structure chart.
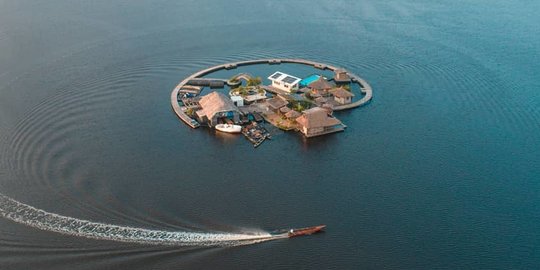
(41, 154)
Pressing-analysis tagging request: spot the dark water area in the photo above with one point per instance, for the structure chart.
(440, 171)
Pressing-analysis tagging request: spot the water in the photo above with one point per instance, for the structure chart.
(440, 170)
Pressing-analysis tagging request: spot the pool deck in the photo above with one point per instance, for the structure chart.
(365, 88)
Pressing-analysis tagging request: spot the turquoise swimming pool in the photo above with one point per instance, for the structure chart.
(309, 79)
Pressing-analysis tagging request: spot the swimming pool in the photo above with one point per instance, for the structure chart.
(309, 79)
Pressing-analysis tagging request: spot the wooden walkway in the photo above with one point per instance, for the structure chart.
(364, 86)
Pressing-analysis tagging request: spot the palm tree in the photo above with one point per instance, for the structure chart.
(254, 81)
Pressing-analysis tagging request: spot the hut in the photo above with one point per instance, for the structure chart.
(284, 109)
(316, 122)
(342, 96)
(276, 103)
(215, 106)
(320, 100)
(320, 86)
(341, 76)
(292, 115)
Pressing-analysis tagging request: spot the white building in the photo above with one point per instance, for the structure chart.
(238, 101)
(284, 81)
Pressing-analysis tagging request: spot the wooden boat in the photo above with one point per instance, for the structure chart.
(229, 128)
(305, 231)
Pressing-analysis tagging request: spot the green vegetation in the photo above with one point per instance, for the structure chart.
(300, 105)
(254, 81)
(247, 90)
(347, 87)
(190, 112)
(243, 91)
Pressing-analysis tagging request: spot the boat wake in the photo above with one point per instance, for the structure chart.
(37, 218)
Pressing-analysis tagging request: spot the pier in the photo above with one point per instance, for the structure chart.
(365, 88)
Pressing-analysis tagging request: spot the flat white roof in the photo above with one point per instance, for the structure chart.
(283, 77)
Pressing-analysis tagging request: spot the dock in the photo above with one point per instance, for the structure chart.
(255, 133)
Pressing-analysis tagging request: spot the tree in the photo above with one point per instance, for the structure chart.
(254, 81)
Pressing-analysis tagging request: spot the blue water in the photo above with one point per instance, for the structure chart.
(440, 171)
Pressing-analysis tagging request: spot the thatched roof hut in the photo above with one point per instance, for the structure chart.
(321, 84)
(317, 117)
(341, 93)
(215, 105)
(277, 102)
(341, 76)
(284, 109)
(292, 114)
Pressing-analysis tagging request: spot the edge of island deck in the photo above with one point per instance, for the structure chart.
(365, 88)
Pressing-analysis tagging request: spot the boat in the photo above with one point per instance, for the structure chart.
(229, 128)
(305, 231)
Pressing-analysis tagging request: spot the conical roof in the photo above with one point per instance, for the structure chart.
(320, 84)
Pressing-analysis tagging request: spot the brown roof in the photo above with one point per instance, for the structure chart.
(341, 74)
(342, 93)
(292, 114)
(277, 102)
(284, 109)
(216, 102)
(320, 100)
(317, 117)
(320, 84)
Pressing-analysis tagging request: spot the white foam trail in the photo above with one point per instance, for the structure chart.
(37, 218)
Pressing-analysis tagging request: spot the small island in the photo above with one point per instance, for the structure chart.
(289, 103)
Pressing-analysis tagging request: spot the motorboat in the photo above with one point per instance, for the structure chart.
(229, 128)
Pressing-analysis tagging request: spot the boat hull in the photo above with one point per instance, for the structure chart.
(229, 128)
(305, 231)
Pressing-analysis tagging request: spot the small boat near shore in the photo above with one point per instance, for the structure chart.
(229, 128)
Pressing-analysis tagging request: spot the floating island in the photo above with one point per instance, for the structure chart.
(289, 103)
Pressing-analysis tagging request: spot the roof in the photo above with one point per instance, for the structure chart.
(317, 117)
(283, 77)
(341, 93)
(320, 84)
(292, 114)
(216, 102)
(284, 109)
(341, 74)
(277, 102)
(236, 98)
(320, 99)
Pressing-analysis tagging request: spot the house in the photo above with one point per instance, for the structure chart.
(238, 101)
(292, 115)
(284, 81)
(283, 110)
(215, 106)
(320, 86)
(316, 121)
(276, 103)
(341, 76)
(342, 96)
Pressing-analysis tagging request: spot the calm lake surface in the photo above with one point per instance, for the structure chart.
(440, 171)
